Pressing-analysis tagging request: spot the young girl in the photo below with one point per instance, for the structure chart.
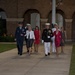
(62, 39)
(37, 38)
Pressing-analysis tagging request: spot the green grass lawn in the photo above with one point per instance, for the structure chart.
(72, 67)
(6, 47)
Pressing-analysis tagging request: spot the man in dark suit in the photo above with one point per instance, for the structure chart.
(19, 37)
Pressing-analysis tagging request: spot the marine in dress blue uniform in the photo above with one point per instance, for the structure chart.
(19, 36)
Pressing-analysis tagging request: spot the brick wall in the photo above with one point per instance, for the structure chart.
(10, 7)
(17, 8)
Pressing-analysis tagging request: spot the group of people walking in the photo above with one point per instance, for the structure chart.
(49, 36)
(26, 33)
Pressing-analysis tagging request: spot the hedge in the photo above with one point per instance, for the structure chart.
(6, 39)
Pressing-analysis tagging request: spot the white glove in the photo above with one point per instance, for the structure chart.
(42, 41)
(14, 39)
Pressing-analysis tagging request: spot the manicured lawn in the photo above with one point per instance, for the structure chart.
(72, 67)
(6, 47)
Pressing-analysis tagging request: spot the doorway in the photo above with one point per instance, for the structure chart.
(60, 18)
(32, 16)
(3, 17)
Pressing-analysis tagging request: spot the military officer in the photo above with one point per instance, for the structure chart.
(19, 37)
(46, 38)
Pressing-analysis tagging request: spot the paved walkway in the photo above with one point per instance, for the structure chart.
(36, 64)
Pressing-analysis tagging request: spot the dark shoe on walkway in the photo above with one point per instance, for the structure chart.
(45, 54)
(48, 53)
(27, 51)
(20, 54)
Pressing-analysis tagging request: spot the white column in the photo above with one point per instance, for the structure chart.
(53, 11)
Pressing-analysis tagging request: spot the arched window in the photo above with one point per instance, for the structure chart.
(60, 18)
(2, 22)
(32, 16)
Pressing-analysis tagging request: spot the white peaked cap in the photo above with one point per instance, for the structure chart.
(28, 24)
(47, 24)
(55, 24)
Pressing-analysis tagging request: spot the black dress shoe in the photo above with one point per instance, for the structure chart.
(27, 51)
(18, 53)
(45, 54)
(48, 53)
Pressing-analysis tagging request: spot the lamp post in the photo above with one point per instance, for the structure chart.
(53, 11)
(55, 3)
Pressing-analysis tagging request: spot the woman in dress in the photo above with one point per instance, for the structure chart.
(57, 35)
(30, 38)
(37, 38)
(62, 39)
